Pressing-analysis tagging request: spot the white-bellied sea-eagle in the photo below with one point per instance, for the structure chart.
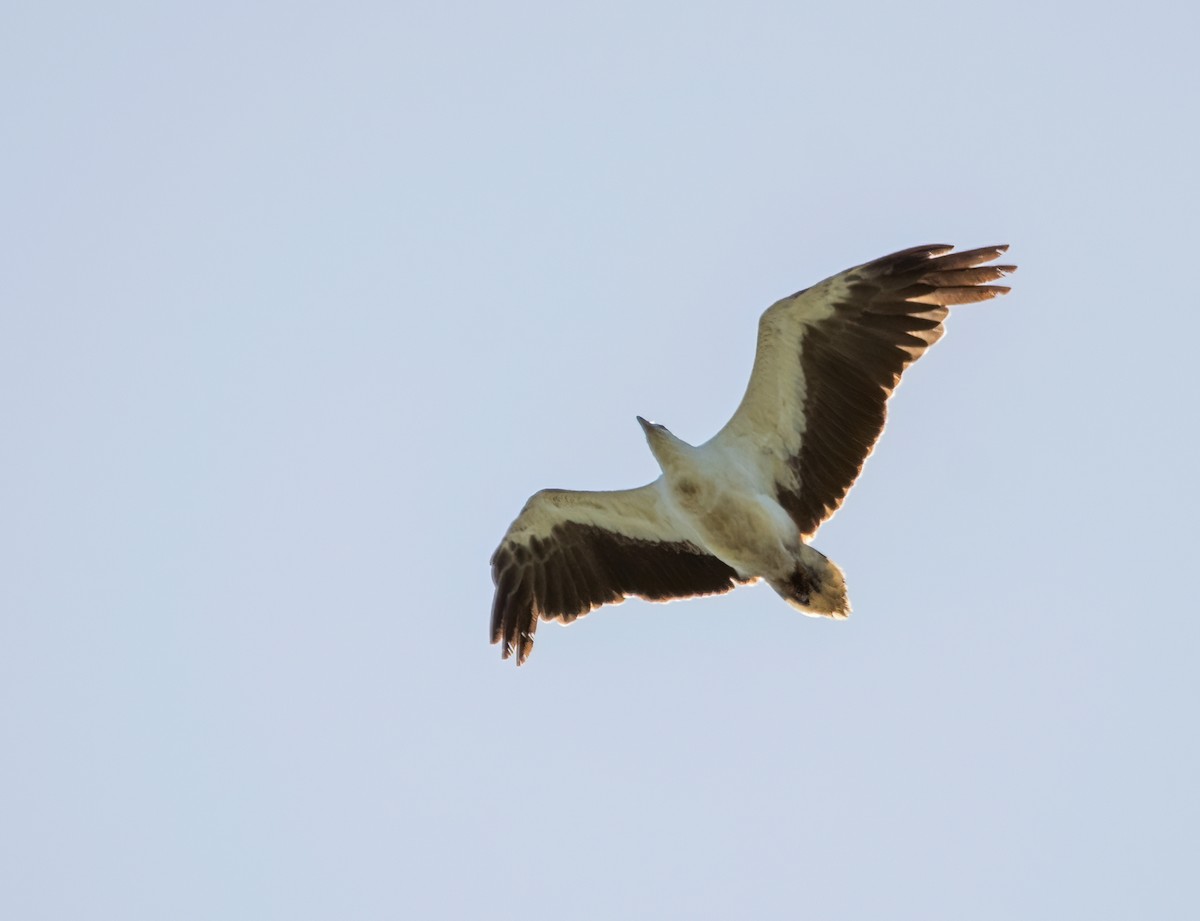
(744, 505)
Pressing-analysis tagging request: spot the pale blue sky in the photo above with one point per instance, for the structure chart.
(302, 301)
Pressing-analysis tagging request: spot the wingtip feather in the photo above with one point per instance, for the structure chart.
(950, 297)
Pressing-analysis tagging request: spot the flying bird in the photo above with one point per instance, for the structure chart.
(744, 505)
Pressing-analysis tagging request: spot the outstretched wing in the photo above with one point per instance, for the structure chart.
(830, 356)
(569, 552)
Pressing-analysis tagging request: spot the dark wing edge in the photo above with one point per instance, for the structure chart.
(560, 568)
(851, 360)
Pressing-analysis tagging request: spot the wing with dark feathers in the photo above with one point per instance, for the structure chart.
(570, 552)
(829, 357)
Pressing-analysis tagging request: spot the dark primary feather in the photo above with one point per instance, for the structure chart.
(578, 567)
(852, 361)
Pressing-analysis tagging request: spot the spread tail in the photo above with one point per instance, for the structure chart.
(816, 587)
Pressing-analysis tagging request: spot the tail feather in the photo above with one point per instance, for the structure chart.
(818, 590)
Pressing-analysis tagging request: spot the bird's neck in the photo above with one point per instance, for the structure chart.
(673, 454)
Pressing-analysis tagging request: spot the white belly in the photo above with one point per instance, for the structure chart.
(746, 529)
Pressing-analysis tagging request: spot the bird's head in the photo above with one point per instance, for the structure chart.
(648, 427)
(662, 443)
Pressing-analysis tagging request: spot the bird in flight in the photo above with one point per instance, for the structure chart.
(744, 505)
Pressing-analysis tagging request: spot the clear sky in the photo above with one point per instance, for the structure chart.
(301, 301)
